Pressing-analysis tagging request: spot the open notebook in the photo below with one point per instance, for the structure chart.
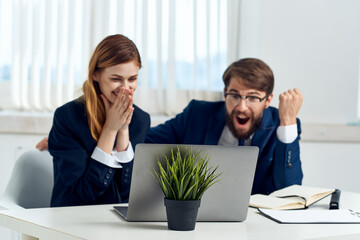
(292, 197)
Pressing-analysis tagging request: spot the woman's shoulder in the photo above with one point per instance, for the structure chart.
(75, 106)
(71, 111)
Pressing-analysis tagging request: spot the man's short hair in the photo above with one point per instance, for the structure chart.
(253, 72)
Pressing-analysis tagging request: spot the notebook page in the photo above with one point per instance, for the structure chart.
(313, 216)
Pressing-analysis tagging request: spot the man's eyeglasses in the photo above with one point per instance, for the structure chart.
(251, 101)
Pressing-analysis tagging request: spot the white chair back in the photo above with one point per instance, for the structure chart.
(31, 181)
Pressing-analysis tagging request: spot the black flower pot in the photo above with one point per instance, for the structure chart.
(181, 214)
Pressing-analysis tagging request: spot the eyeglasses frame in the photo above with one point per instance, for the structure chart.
(244, 97)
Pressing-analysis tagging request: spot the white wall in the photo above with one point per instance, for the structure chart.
(331, 165)
(312, 45)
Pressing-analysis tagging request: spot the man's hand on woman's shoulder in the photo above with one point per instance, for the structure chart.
(43, 144)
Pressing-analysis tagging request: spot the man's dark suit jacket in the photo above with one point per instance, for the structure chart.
(78, 179)
(202, 122)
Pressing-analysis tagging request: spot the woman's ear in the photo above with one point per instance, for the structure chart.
(95, 76)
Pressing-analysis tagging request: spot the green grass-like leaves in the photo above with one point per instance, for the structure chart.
(185, 177)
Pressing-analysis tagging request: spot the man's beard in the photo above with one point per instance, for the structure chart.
(255, 125)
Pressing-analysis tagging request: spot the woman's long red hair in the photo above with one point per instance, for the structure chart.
(113, 50)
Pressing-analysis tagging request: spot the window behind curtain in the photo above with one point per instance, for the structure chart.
(46, 46)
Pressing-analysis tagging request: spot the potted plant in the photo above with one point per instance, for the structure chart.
(183, 179)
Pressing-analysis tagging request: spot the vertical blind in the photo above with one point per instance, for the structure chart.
(185, 47)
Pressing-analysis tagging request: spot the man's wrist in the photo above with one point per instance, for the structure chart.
(287, 122)
(287, 134)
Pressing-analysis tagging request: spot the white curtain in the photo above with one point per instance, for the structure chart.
(233, 17)
(185, 47)
(49, 50)
(188, 43)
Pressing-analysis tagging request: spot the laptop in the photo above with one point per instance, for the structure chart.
(226, 200)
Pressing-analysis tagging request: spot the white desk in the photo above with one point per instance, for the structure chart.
(101, 222)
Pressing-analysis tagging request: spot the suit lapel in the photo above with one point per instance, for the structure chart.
(215, 127)
(262, 135)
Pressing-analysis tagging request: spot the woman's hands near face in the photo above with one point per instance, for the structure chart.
(119, 113)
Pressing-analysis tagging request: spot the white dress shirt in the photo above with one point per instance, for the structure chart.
(114, 159)
(286, 134)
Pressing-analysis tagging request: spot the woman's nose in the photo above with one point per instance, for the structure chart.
(125, 85)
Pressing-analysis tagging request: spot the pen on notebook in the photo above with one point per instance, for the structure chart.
(335, 199)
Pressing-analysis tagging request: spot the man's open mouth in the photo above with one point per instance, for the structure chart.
(242, 120)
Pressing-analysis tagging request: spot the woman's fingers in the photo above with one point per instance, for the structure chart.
(119, 114)
(123, 98)
(127, 116)
(127, 102)
(106, 102)
(119, 97)
(130, 116)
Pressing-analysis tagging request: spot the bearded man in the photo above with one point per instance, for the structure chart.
(245, 117)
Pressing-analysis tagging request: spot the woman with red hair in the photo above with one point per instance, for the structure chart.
(93, 137)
